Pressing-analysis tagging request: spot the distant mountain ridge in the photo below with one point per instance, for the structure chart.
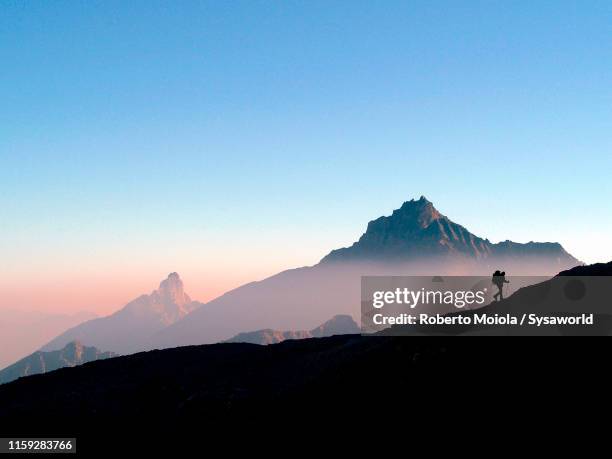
(127, 330)
(72, 354)
(338, 325)
(23, 332)
(418, 229)
(415, 240)
(166, 305)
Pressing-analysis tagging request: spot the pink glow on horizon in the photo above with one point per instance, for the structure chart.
(103, 279)
(104, 296)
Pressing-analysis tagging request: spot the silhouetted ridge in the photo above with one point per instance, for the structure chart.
(597, 269)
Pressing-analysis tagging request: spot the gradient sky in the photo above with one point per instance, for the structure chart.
(230, 140)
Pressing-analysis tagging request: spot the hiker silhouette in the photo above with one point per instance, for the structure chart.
(499, 279)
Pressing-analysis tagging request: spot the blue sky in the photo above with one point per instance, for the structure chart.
(229, 140)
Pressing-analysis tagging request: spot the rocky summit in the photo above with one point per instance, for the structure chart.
(418, 230)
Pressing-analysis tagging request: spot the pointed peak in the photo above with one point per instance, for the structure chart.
(422, 201)
(172, 282)
(422, 210)
(171, 290)
(167, 304)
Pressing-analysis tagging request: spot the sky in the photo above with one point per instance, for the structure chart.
(228, 141)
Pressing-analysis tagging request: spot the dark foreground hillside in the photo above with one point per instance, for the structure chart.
(222, 381)
(311, 389)
(321, 383)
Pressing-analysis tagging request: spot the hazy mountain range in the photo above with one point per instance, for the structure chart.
(417, 229)
(23, 332)
(338, 325)
(416, 239)
(129, 329)
(72, 354)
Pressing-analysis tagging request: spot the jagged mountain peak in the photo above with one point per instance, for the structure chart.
(422, 212)
(167, 304)
(418, 230)
(129, 329)
(172, 281)
(171, 290)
